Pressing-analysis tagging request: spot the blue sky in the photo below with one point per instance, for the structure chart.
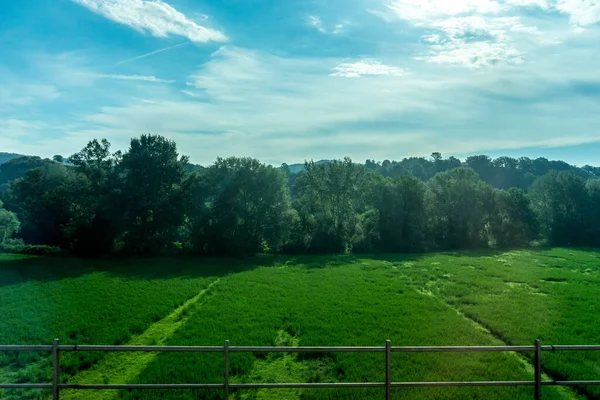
(285, 81)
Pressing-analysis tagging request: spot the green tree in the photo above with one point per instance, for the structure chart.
(9, 224)
(17, 167)
(459, 207)
(560, 201)
(194, 231)
(593, 211)
(331, 198)
(514, 223)
(402, 218)
(151, 198)
(42, 201)
(94, 206)
(483, 166)
(250, 209)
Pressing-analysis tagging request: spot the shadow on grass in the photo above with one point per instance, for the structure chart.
(16, 269)
(19, 270)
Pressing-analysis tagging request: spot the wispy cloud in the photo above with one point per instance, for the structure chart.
(190, 93)
(156, 17)
(152, 53)
(581, 12)
(133, 78)
(366, 67)
(473, 33)
(15, 95)
(316, 22)
(475, 41)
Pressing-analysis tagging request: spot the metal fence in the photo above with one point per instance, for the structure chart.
(226, 386)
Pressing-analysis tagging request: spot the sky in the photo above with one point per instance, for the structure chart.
(288, 81)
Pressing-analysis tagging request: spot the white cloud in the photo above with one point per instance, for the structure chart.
(133, 78)
(316, 22)
(421, 11)
(427, 10)
(156, 17)
(473, 55)
(543, 4)
(14, 94)
(12, 128)
(249, 103)
(472, 33)
(366, 67)
(190, 93)
(339, 28)
(581, 12)
(476, 41)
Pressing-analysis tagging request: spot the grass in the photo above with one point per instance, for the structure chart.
(86, 302)
(333, 301)
(522, 295)
(471, 298)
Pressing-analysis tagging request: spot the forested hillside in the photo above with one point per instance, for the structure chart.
(17, 166)
(5, 157)
(151, 200)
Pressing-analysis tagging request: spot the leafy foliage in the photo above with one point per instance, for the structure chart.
(17, 167)
(560, 200)
(41, 201)
(9, 224)
(151, 200)
(330, 199)
(459, 206)
(151, 197)
(250, 208)
(6, 157)
(401, 204)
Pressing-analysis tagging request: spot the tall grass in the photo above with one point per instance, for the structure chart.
(86, 302)
(470, 298)
(552, 295)
(333, 301)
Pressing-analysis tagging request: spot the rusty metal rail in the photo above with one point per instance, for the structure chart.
(56, 348)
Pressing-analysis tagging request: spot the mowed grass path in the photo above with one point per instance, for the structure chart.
(332, 301)
(87, 302)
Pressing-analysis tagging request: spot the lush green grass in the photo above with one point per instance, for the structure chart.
(553, 295)
(438, 299)
(333, 301)
(87, 302)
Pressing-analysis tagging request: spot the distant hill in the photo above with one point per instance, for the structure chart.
(297, 168)
(5, 157)
(17, 166)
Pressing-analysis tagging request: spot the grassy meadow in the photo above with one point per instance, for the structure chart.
(470, 298)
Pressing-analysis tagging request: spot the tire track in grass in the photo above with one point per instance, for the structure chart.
(123, 367)
(527, 364)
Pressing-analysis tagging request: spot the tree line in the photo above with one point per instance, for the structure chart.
(150, 200)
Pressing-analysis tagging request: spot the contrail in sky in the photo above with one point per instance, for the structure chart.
(154, 52)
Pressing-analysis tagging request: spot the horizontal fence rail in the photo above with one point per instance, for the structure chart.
(56, 348)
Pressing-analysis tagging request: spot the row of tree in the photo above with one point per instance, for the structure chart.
(501, 173)
(148, 200)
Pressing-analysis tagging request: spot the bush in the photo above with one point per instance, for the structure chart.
(37, 250)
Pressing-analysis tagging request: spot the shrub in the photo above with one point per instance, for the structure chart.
(20, 248)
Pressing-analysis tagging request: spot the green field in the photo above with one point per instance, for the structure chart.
(437, 299)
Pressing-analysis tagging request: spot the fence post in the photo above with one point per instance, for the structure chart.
(388, 370)
(226, 370)
(55, 370)
(538, 369)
